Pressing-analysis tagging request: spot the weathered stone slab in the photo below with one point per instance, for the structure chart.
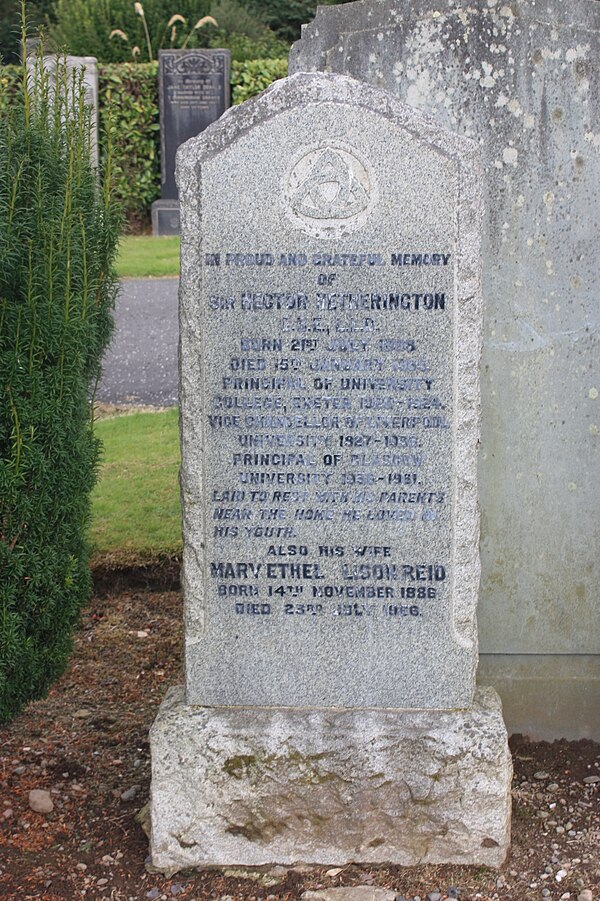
(351, 893)
(522, 78)
(257, 786)
(330, 337)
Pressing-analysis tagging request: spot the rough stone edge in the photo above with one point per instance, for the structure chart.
(281, 96)
(314, 87)
(310, 54)
(173, 710)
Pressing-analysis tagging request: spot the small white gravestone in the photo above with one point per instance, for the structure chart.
(88, 67)
(330, 340)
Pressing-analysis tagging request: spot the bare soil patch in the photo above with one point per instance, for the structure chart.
(87, 744)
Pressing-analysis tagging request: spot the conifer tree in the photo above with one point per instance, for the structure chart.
(58, 236)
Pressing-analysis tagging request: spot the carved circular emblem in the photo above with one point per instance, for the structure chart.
(329, 191)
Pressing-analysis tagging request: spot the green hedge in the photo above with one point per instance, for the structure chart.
(252, 77)
(129, 100)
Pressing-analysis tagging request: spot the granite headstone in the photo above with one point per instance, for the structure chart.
(330, 313)
(193, 90)
(330, 339)
(523, 80)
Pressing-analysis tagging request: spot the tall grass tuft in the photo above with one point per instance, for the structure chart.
(58, 238)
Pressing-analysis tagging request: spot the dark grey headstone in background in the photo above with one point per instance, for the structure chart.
(193, 92)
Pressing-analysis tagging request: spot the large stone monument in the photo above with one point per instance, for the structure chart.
(330, 322)
(522, 79)
(193, 91)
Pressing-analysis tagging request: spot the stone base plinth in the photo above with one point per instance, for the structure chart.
(254, 786)
(165, 218)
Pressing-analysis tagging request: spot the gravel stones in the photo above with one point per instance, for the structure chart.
(40, 801)
(130, 793)
(89, 820)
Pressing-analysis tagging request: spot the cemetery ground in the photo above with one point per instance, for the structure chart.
(86, 746)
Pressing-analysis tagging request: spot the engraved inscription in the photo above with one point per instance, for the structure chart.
(335, 435)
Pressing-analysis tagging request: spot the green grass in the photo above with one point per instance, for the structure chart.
(141, 256)
(135, 505)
